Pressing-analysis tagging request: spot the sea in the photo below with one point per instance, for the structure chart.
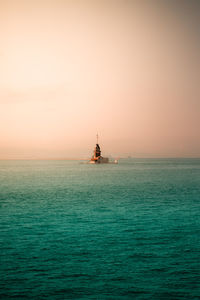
(70, 230)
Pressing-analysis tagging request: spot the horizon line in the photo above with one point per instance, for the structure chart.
(78, 159)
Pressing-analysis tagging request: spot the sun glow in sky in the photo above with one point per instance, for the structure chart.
(128, 70)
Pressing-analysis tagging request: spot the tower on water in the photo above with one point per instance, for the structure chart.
(97, 158)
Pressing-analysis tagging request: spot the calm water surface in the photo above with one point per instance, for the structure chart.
(79, 231)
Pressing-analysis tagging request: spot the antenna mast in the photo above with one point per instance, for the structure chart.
(97, 138)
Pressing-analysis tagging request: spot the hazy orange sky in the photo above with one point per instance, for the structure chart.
(128, 70)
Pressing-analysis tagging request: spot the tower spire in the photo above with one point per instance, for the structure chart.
(97, 138)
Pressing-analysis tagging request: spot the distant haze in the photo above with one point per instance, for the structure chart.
(128, 70)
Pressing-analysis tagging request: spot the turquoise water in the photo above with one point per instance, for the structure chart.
(80, 231)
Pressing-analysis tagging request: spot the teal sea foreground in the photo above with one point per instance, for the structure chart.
(79, 231)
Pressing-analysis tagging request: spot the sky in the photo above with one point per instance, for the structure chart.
(128, 70)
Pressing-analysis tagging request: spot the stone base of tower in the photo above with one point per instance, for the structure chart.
(99, 160)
